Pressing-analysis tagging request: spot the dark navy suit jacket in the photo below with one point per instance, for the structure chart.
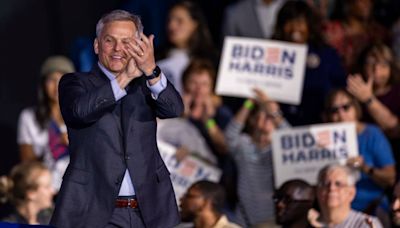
(104, 144)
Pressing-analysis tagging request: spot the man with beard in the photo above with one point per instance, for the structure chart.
(293, 200)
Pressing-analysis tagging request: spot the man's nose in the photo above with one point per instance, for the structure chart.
(118, 46)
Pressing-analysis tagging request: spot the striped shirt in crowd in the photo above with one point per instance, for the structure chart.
(357, 219)
(255, 175)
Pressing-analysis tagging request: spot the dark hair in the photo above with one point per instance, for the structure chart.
(43, 109)
(201, 44)
(342, 9)
(212, 191)
(293, 10)
(51, 65)
(23, 178)
(331, 97)
(379, 51)
(251, 121)
(301, 184)
(198, 66)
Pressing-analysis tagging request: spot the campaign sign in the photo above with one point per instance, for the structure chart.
(187, 171)
(275, 67)
(300, 152)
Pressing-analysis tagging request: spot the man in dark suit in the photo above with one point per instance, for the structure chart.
(116, 177)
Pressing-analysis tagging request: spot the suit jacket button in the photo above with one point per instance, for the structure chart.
(127, 157)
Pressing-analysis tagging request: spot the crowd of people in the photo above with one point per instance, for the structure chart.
(351, 75)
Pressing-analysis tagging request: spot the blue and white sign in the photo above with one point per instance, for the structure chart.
(300, 152)
(275, 67)
(184, 173)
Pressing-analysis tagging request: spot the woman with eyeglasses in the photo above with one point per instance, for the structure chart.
(375, 161)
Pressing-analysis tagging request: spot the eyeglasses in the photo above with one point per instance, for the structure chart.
(287, 199)
(345, 107)
(328, 184)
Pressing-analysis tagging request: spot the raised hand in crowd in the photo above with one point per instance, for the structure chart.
(360, 89)
(202, 106)
(377, 88)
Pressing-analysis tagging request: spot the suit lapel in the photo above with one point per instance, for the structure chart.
(128, 107)
(98, 79)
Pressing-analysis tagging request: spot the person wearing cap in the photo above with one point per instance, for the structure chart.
(41, 130)
(116, 177)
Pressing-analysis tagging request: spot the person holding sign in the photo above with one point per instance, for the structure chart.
(298, 23)
(253, 155)
(375, 162)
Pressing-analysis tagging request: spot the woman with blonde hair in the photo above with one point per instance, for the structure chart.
(29, 190)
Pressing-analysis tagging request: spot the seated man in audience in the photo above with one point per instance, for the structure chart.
(203, 204)
(335, 191)
(293, 200)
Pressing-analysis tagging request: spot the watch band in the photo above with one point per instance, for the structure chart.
(155, 74)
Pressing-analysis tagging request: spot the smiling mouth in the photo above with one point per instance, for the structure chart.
(117, 57)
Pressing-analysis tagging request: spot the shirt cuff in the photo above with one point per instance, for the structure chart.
(157, 88)
(118, 92)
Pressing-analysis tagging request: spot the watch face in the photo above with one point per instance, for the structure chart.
(155, 74)
(157, 71)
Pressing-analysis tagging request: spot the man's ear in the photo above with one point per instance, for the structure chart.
(207, 205)
(96, 46)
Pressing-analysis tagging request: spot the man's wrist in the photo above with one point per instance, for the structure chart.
(148, 71)
(155, 74)
(248, 104)
(210, 123)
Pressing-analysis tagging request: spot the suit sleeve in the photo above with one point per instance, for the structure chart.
(169, 103)
(81, 105)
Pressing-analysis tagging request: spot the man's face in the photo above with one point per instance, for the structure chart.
(334, 191)
(291, 204)
(396, 205)
(192, 203)
(110, 45)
